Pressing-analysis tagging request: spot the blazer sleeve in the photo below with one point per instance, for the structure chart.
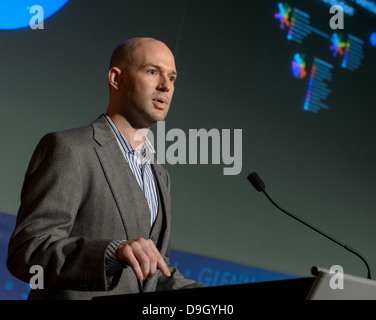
(50, 199)
(176, 281)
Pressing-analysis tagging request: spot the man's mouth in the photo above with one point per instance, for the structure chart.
(160, 103)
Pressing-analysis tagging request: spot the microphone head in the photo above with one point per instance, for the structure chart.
(256, 181)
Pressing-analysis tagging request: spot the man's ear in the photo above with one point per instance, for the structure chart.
(114, 78)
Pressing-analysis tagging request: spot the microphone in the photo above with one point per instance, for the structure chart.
(259, 185)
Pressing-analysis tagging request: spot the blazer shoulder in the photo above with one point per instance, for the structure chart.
(54, 145)
(79, 136)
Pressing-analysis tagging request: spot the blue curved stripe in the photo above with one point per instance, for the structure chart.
(16, 14)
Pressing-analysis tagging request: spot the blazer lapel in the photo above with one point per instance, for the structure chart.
(165, 201)
(164, 237)
(127, 193)
(161, 179)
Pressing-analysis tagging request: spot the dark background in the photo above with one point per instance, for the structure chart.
(234, 65)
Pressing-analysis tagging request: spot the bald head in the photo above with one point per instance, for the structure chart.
(124, 53)
(142, 80)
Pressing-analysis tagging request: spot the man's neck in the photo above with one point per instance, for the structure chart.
(136, 137)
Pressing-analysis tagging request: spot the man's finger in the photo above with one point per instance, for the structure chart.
(161, 264)
(153, 253)
(144, 258)
(133, 262)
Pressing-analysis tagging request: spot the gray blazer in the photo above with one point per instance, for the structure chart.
(79, 194)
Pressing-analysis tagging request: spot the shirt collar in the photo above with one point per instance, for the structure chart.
(146, 150)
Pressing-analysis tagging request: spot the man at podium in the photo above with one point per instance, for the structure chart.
(95, 206)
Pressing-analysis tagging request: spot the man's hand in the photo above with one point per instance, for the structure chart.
(143, 257)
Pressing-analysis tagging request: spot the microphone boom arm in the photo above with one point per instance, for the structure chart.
(369, 274)
(259, 185)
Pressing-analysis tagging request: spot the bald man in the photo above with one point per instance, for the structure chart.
(95, 207)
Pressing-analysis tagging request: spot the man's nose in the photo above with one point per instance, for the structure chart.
(164, 84)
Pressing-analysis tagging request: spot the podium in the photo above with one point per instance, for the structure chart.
(353, 288)
(317, 287)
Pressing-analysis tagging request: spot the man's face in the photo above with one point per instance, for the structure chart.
(147, 84)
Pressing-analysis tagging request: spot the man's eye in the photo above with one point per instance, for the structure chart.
(152, 72)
